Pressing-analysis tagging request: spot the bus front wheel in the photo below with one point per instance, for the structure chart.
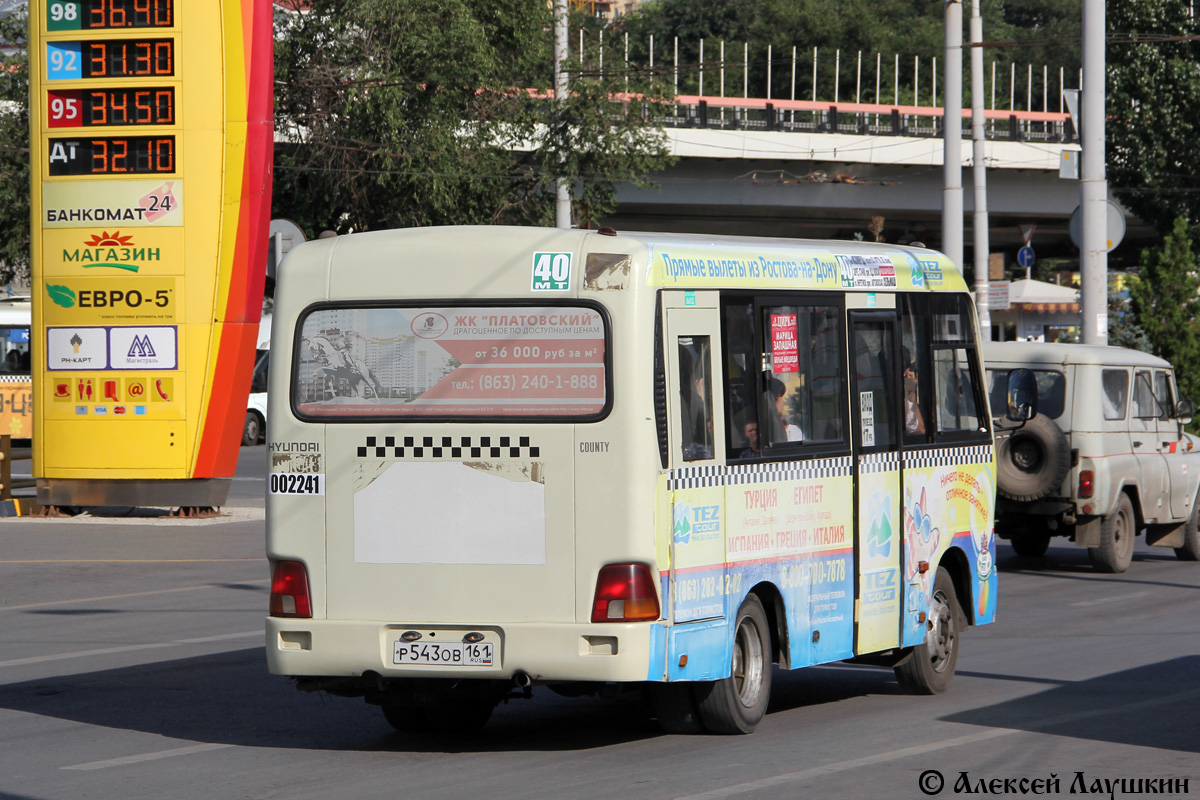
(737, 704)
(930, 667)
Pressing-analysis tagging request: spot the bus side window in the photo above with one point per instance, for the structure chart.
(824, 329)
(918, 382)
(946, 362)
(695, 398)
(742, 366)
(802, 398)
(955, 387)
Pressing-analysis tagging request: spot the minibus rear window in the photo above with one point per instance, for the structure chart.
(451, 362)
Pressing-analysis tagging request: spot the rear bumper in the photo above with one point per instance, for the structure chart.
(618, 652)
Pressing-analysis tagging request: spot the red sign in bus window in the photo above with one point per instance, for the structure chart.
(484, 361)
(785, 351)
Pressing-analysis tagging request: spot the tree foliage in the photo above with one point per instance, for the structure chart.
(14, 152)
(397, 122)
(1164, 299)
(1124, 330)
(1153, 127)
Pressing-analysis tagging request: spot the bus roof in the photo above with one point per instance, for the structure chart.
(677, 260)
(15, 310)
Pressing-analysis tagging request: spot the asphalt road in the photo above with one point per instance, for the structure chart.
(131, 666)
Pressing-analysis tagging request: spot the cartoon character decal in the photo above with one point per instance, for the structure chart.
(921, 543)
(982, 536)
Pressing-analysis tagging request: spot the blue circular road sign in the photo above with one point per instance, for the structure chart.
(1025, 257)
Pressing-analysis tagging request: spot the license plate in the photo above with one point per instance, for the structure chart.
(449, 654)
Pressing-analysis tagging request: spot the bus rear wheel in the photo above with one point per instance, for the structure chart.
(930, 667)
(738, 703)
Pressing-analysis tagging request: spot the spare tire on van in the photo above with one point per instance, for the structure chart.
(1032, 461)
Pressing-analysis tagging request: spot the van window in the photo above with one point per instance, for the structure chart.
(1051, 389)
(1115, 383)
(1162, 393)
(1144, 406)
(460, 362)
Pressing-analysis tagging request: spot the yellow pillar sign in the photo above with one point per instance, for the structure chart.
(151, 148)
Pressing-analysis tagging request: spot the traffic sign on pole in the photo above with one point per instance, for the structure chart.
(1025, 257)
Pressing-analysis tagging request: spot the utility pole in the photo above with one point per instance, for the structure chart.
(562, 194)
(979, 174)
(1093, 185)
(952, 194)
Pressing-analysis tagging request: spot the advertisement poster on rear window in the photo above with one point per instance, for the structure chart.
(485, 361)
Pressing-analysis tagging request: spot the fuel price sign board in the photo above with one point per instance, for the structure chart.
(151, 148)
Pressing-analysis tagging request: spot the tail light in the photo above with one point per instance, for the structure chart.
(289, 590)
(624, 593)
(1087, 483)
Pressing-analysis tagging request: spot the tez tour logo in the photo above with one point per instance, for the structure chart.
(141, 348)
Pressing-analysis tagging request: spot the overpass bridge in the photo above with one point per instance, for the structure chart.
(797, 168)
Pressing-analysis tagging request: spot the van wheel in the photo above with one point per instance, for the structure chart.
(737, 704)
(674, 704)
(1033, 461)
(1117, 532)
(1191, 535)
(252, 429)
(1030, 545)
(930, 667)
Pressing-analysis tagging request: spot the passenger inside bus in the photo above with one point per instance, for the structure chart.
(781, 428)
(750, 431)
(12, 361)
(914, 420)
(695, 399)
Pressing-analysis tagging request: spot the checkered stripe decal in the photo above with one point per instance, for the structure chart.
(696, 477)
(879, 462)
(948, 457)
(449, 447)
(15, 378)
(700, 477)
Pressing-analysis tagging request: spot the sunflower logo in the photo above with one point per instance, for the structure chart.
(106, 239)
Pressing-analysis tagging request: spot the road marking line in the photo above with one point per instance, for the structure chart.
(1102, 601)
(892, 755)
(130, 648)
(129, 560)
(118, 762)
(122, 596)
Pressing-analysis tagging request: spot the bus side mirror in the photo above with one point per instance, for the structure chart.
(1184, 410)
(1022, 395)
